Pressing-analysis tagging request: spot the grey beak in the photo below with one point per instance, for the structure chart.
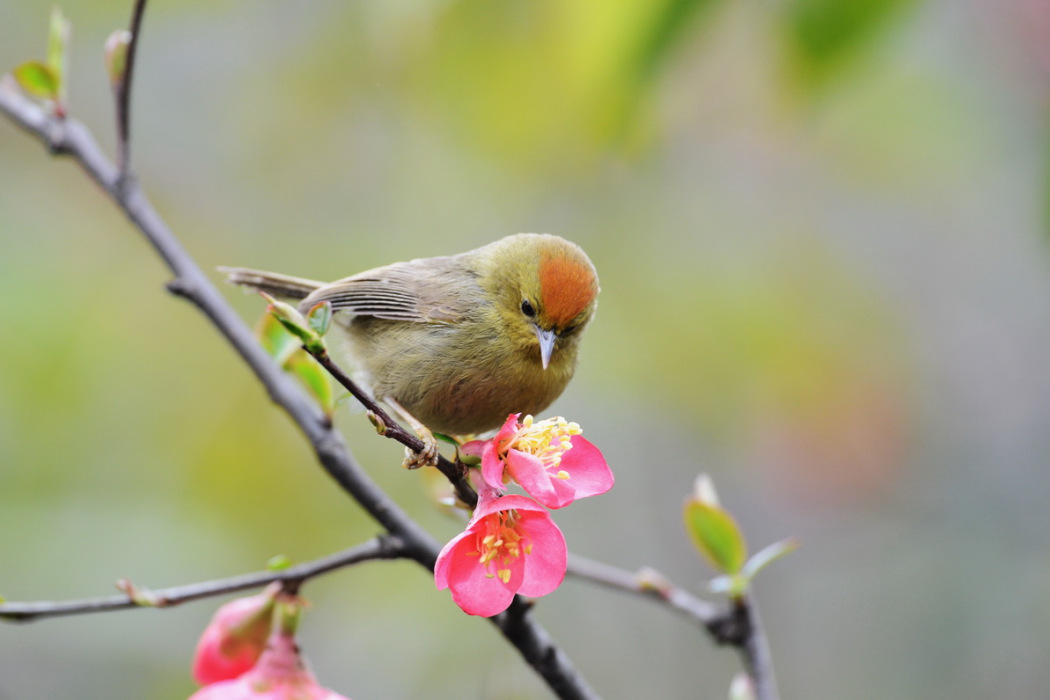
(546, 338)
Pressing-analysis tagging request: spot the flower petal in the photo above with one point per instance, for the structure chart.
(492, 467)
(545, 565)
(475, 589)
(528, 470)
(441, 566)
(589, 474)
(506, 432)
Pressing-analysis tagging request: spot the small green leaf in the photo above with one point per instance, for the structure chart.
(278, 563)
(277, 341)
(320, 317)
(716, 534)
(296, 324)
(57, 50)
(768, 555)
(37, 79)
(314, 378)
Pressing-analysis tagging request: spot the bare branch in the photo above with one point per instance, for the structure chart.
(739, 626)
(756, 654)
(647, 583)
(393, 430)
(123, 94)
(382, 547)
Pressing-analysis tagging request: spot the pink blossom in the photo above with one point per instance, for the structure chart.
(280, 674)
(235, 638)
(549, 458)
(510, 546)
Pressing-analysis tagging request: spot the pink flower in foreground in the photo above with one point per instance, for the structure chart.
(235, 638)
(280, 674)
(510, 546)
(549, 458)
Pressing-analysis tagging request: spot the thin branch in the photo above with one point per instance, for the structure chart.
(123, 94)
(382, 547)
(756, 654)
(393, 430)
(739, 626)
(69, 137)
(647, 583)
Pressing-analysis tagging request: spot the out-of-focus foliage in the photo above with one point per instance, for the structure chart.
(823, 33)
(820, 231)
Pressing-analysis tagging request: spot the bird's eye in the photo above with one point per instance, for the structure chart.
(527, 308)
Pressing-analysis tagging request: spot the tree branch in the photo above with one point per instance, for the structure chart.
(382, 547)
(393, 430)
(123, 94)
(647, 583)
(739, 626)
(756, 654)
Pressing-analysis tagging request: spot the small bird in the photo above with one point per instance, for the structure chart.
(458, 343)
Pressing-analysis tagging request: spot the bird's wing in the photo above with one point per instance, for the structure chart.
(433, 290)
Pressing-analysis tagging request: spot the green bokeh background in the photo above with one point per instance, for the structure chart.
(820, 231)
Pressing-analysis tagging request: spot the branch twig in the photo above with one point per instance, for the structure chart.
(123, 95)
(647, 583)
(739, 626)
(382, 547)
(393, 430)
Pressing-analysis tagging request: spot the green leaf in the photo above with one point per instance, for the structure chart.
(314, 378)
(295, 324)
(716, 534)
(767, 556)
(37, 79)
(277, 341)
(278, 563)
(287, 351)
(826, 31)
(320, 317)
(57, 44)
(670, 24)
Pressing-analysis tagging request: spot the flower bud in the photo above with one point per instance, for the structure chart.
(235, 638)
(280, 674)
(116, 55)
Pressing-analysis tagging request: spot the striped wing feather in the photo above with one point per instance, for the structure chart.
(423, 291)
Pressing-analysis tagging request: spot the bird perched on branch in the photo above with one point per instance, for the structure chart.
(457, 343)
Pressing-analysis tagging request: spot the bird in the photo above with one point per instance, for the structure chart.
(455, 344)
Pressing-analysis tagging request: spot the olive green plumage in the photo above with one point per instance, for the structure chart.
(460, 341)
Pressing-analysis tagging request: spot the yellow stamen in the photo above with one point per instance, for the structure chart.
(502, 543)
(546, 439)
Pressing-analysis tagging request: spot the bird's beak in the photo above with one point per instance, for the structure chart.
(546, 338)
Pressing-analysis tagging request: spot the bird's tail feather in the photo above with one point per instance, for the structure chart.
(271, 282)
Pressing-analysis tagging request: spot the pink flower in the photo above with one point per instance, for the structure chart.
(280, 674)
(510, 546)
(235, 638)
(549, 458)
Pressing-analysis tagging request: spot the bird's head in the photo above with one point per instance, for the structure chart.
(547, 290)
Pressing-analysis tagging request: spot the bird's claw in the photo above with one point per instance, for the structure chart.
(428, 457)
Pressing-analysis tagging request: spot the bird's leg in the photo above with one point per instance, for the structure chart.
(428, 457)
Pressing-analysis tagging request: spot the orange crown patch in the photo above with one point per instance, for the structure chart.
(567, 287)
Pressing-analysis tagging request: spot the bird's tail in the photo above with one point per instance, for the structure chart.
(271, 282)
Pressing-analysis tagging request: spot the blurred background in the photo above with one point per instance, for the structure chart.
(821, 231)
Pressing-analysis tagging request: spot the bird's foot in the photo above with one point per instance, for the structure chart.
(428, 457)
